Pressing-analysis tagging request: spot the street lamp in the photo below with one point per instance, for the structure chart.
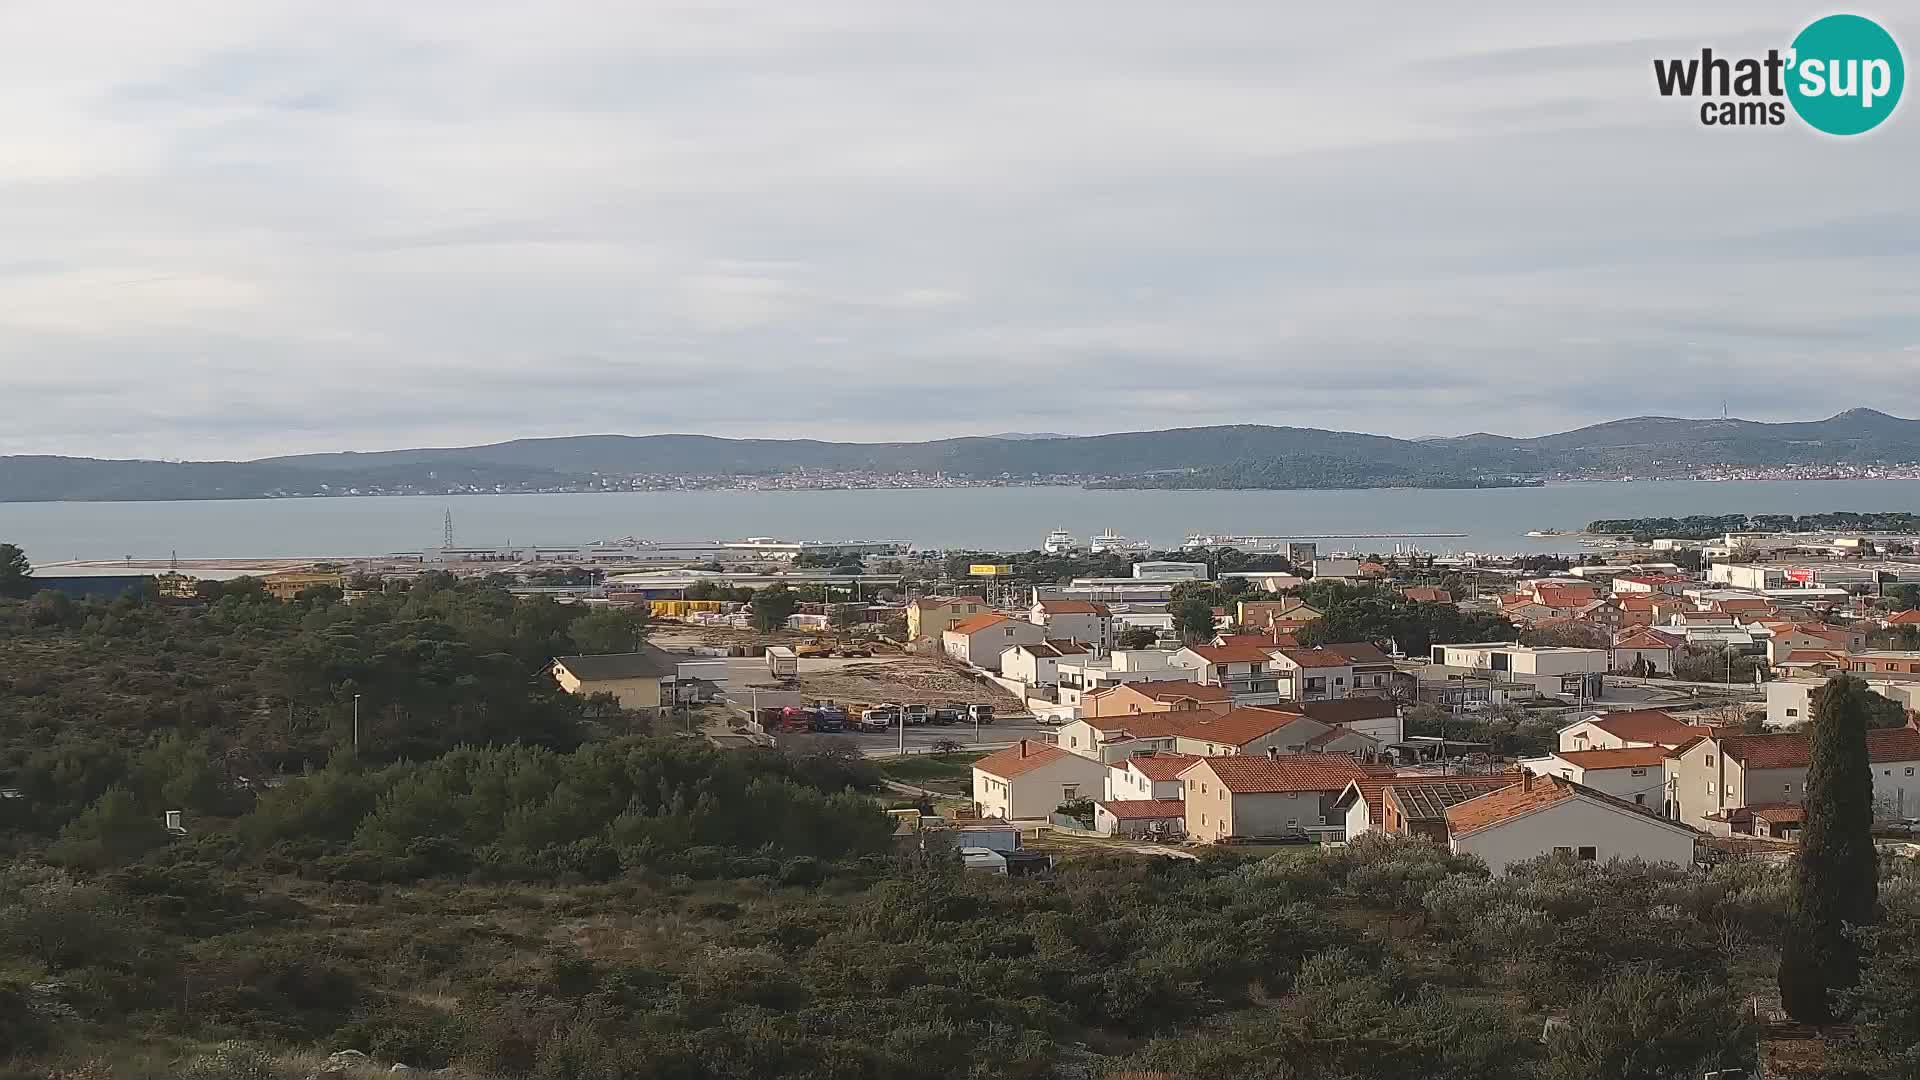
(356, 723)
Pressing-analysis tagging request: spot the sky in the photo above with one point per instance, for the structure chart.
(236, 228)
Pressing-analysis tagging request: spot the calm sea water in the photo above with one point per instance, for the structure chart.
(1004, 518)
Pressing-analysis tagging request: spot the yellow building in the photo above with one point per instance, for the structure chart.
(931, 616)
(635, 679)
(288, 585)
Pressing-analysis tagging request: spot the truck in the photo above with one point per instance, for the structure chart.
(782, 663)
(828, 717)
(916, 714)
(980, 714)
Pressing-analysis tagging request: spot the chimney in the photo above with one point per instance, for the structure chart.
(1273, 751)
(1026, 748)
(1526, 780)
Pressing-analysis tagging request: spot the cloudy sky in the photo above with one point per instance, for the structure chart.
(244, 227)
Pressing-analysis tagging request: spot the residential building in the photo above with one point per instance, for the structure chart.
(1642, 650)
(1088, 675)
(1790, 700)
(1265, 639)
(1320, 674)
(1637, 774)
(1265, 731)
(1266, 580)
(1551, 815)
(979, 641)
(1372, 671)
(288, 585)
(1030, 779)
(1165, 570)
(1785, 638)
(1244, 670)
(1038, 664)
(1377, 718)
(1630, 728)
(1087, 622)
(931, 616)
(1426, 594)
(1364, 803)
(1148, 775)
(1115, 738)
(1285, 615)
(1898, 619)
(1716, 773)
(1239, 796)
(1884, 662)
(1163, 818)
(1128, 699)
(1560, 670)
(633, 678)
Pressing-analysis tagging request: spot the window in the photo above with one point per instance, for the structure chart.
(1563, 852)
(1588, 854)
(1339, 680)
(1203, 787)
(1793, 712)
(1069, 792)
(1786, 789)
(1709, 761)
(1709, 787)
(1323, 819)
(1637, 772)
(1073, 740)
(1640, 799)
(1909, 770)
(1203, 819)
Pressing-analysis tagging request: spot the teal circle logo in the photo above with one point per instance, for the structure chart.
(1845, 75)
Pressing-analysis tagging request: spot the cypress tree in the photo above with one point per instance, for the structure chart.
(1836, 878)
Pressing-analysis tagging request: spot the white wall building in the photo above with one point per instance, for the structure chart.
(1551, 815)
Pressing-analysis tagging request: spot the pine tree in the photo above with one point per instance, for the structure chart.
(16, 573)
(1836, 878)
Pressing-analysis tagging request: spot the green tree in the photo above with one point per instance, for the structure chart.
(16, 573)
(1194, 619)
(1137, 637)
(773, 606)
(1835, 880)
(1647, 1024)
(609, 630)
(113, 831)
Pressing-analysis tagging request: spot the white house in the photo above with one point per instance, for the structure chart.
(1087, 622)
(1551, 815)
(1642, 649)
(1377, 718)
(1637, 774)
(1790, 701)
(1030, 779)
(1084, 675)
(1148, 775)
(1365, 801)
(1633, 727)
(1246, 671)
(981, 640)
(1039, 664)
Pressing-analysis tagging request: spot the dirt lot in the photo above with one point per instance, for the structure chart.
(901, 679)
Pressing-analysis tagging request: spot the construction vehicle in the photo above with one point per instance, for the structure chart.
(814, 648)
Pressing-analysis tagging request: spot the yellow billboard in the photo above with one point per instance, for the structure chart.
(990, 569)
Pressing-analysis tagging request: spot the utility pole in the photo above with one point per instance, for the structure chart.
(356, 725)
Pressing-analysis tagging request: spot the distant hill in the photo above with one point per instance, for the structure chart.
(1231, 456)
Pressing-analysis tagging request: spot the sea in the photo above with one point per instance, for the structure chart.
(1493, 520)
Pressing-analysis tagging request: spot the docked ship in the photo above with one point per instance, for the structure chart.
(1113, 541)
(1059, 541)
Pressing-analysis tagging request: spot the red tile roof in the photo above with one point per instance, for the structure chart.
(1516, 800)
(1632, 757)
(1262, 775)
(1159, 766)
(1317, 658)
(1333, 734)
(1257, 641)
(1230, 654)
(1648, 726)
(1358, 652)
(1182, 689)
(1236, 727)
(1073, 607)
(1420, 594)
(1147, 809)
(1792, 750)
(977, 623)
(1022, 757)
(1643, 639)
(1910, 617)
(1340, 710)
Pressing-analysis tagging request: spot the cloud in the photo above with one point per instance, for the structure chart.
(236, 229)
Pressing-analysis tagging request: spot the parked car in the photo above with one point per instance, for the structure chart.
(948, 714)
(980, 714)
(916, 714)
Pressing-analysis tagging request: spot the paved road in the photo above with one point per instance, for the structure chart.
(920, 740)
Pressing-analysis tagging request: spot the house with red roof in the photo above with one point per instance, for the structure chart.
(1324, 673)
(1246, 671)
(1909, 617)
(1389, 804)
(1642, 651)
(1029, 779)
(1249, 797)
(1551, 815)
(1178, 695)
(1637, 774)
(930, 616)
(1039, 664)
(1083, 621)
(1628, 728)
(979, 641)
(1714, 773)
(1149, 775)
(1426, 594)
